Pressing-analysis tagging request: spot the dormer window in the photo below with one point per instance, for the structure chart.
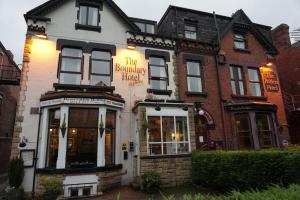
(240, 41)
(88, 15)
(146, 28)
(190, 31)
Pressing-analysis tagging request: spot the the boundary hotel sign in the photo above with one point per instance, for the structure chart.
(131, 71)
(271, 81)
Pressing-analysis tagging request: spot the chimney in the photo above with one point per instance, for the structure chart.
(281, 37)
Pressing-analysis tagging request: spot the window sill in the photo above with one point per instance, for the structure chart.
(166, 156)
(79, 170)
(88, 27)
(249, 97)
(84, 88)
(241, 50)
(160, 92)
(196, 94)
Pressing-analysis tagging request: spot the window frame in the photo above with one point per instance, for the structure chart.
(240, 40)
(271, 131)
(191, 24)
(255, 82)
(102, 60)
(165, 66)
(87, 15)
(176, 142)
(237, 80)
(249, 131)
(145, 27)
(201, 76)
(61, 57)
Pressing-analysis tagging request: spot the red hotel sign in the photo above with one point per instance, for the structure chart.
(271, 81)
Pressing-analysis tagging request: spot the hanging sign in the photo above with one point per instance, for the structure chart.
(271, 81)
(131, 71)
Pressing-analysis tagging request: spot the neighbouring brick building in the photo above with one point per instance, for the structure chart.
(107, 98)
(9, 95)
(288, 65)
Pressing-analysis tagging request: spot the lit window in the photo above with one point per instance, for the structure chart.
(158, 73)
(254, 82)
(240, 41)
(88, 15)
(70, 66)
(101, 68)
(194, 77)
(237, 81)
(110, 137)
(190, 32)
(168, 135)
(53, 130)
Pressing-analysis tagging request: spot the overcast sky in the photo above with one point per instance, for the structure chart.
(268, 12)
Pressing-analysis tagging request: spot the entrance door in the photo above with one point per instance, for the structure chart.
(202, 136)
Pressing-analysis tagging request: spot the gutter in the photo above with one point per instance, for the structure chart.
(219, 82)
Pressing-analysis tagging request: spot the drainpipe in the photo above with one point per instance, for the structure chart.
(36, 156)
(219, 82)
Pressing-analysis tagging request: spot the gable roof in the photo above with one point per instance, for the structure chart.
(40, 11)
(11, 60)
(225, 23)
(296, 45)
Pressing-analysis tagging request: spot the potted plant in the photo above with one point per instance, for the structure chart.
(15, 176)
(101, 127)
(52, 188)
(63, 127)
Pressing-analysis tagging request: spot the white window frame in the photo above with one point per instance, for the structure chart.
(168, 112)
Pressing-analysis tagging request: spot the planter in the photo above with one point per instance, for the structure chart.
(17, 194)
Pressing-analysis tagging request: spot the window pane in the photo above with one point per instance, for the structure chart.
(101, 67)
(242, 123)
(191, 35)
(83, 15)
(72, 52)
(101, 55)
(93, 16)
(141, 26)
(232, 72)
(154, 129)
(243, 131)
(183, 148)
(83, 117)
(110, 137)
(168, 129)
(242, 90)
(70, 78)
(181, 129)
(240, 45)
(240, 76)
(71, 65)
(157, 61)
(233, 87)
(158, 85)
(158, 71)
(239, 37)
(149, 28)
(194, 84)
(190, 28)
(155, 149)
(193, 68)
(169, 148)
(53, 130)
(263, 125)
(255, 89)
(253, 75)
(263, 122)
(96, 80)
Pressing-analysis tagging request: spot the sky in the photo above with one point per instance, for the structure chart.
(268, 12)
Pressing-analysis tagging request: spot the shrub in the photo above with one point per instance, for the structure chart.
(16, 172)
(51, 186)
(245, 169)
(151, 181)
(273, 193)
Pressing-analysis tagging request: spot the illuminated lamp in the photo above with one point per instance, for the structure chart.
(40, 35)
(131, 46)
(201, 112)
(270, 60)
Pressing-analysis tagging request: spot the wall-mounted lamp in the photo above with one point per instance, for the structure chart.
(185, 108)
(270, 60)
(157, 107)
(40, 35)
(201, 112)
(23, 142)
(131, 46)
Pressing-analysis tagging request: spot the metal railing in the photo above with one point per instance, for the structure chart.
(9, 74)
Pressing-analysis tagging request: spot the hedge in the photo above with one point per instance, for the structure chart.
(273, 193)
(226, 170)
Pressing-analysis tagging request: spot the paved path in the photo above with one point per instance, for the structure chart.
(125, 193)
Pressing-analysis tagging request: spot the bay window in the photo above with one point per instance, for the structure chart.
(237, 80)
(70, 66)
(53, 137)
(110, 137)
(194, 77)
(101, 68)
(158, 73)
(264, 130)
(243, 128)
(254, 82)
(88, 15)
(167, 135)
(82, 137)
